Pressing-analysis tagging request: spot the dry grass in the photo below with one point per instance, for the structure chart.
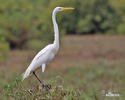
(75, 50)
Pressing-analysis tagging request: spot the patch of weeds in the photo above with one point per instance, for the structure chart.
(18, 91)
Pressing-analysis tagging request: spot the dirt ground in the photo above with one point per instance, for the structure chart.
(74, 50)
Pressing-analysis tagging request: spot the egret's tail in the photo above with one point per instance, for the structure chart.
(26, 74)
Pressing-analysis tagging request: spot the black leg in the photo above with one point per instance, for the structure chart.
(37, 77)
(47, 87)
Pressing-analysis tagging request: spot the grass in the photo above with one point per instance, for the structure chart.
(86, 68)
(17, 91)
(71, 83)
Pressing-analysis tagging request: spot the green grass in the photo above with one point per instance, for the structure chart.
(69, 83)
(17, 90)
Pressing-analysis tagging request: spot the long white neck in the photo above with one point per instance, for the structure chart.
(56, 31)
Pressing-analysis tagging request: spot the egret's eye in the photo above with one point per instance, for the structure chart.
(60, 8)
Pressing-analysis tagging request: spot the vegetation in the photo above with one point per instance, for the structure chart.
(74, 75)
(24, 22)
(80, 84)
(120, 10)
(4, 47)
(18, 91)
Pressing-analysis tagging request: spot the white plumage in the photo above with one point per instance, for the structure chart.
(42, 58)
(48, 53)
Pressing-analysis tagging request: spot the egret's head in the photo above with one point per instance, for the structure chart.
(57, 9)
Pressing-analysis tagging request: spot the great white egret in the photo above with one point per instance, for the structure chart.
(48, 53)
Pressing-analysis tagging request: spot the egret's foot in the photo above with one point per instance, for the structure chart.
(47, 87)
(43, 86)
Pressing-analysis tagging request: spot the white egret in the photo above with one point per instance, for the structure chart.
(48, 53)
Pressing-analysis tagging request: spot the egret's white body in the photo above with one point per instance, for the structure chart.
(43, 57)
(48, 53)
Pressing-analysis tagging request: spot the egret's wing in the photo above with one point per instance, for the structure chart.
(43, 51)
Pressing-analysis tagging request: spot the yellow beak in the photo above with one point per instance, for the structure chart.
(67, 8)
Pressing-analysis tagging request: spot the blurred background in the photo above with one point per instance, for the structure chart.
(92, 39)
